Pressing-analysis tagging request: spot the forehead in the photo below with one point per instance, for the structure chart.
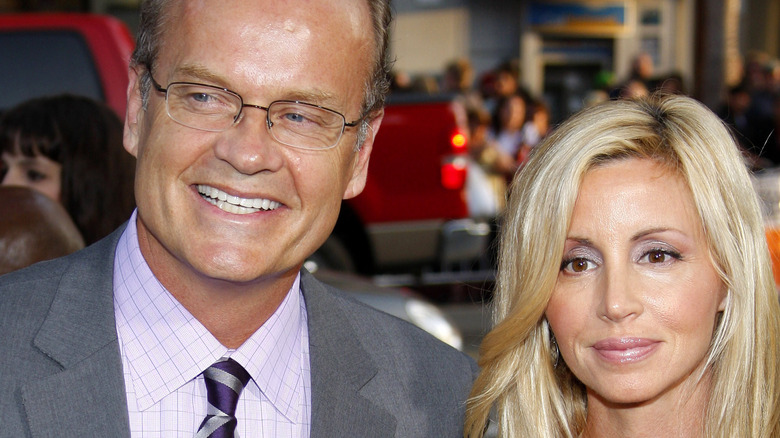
(312, 45)
(636, 190)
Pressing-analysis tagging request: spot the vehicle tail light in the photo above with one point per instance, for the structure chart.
(453, 173)
(459, 142)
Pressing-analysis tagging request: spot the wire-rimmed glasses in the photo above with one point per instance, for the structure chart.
(293, 123)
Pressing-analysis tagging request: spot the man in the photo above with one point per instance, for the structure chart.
(33, 228)
(250, 121)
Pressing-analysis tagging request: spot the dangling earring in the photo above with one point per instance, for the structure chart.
(556, 351)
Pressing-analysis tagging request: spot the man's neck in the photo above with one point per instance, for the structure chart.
(231, 311)
(231, 314)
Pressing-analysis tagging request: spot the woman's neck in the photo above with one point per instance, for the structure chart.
(679, 412)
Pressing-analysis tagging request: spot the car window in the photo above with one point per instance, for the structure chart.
(43, 63)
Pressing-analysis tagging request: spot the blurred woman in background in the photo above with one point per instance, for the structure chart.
(70, 149)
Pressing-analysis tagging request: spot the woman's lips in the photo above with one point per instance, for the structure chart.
(625, 350)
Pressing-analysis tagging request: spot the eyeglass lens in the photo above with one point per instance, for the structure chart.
(294, 124)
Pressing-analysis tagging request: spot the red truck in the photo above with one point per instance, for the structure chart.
(83, 54)
(413, 214)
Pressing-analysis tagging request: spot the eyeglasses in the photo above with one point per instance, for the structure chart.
(296, 124)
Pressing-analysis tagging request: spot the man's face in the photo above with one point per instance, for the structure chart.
(265, 50)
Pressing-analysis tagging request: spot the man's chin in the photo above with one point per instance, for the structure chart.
(244, 272)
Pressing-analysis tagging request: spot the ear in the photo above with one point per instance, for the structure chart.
(360, 169)
(134, 113)
(724, 300)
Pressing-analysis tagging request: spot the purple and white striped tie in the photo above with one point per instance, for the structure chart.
(225, 380)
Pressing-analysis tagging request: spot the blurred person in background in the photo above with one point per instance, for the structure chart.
(70, 149)
(639, 80)
(634, 295)
(33, 228)
(671, 83)
(631, 89)
(642, 69)
(507, 124)
(499, 84)
(535, 129)
(458, 77)
(492, 167)
(400, 81)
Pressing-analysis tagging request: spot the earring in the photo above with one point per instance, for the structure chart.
(556, 352)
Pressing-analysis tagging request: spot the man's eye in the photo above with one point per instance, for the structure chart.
(295, 118)
(202, 98)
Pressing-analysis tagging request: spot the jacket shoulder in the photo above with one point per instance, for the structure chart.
(422, 382)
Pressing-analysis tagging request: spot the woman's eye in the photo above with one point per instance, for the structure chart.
(34, 175)
(577, 264)
(660, 256)
(656, 257)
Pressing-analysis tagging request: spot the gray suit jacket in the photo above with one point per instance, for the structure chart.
(61, 373)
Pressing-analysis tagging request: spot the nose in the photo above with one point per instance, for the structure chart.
(620, 298)
(13, 177)
(248, 146)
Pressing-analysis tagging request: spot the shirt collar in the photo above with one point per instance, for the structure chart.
(165, 346)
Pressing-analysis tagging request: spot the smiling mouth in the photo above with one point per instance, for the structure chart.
(235, 204)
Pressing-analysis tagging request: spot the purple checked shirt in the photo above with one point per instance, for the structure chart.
(165, 349)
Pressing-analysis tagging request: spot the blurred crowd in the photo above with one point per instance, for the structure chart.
(752, 109)
(506, 122)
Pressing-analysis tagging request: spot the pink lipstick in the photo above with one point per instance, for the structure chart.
(625, 350)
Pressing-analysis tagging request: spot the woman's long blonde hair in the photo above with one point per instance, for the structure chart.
(532, 397)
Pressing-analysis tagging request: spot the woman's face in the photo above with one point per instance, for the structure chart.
(636, 300)
(38, 173)
(513, 113)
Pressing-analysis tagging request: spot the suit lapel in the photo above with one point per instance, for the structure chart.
(87, 398)
(340, 368)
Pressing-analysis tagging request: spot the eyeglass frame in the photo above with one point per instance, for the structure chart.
(238, 117)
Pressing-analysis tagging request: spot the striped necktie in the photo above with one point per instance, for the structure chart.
(225, 380)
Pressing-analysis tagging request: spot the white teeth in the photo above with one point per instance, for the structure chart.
(235, 204)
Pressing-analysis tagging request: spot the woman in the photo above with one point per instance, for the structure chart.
(70, 149)
(634, 294)
(508, 120)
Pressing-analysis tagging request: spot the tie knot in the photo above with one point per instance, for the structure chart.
(224, 382)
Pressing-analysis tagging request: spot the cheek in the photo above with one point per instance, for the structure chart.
(565, 316)
(690, 308)
(321, 176)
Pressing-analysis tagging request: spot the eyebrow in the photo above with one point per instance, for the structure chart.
(580, 240)
(197, 72)
(655, 230)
